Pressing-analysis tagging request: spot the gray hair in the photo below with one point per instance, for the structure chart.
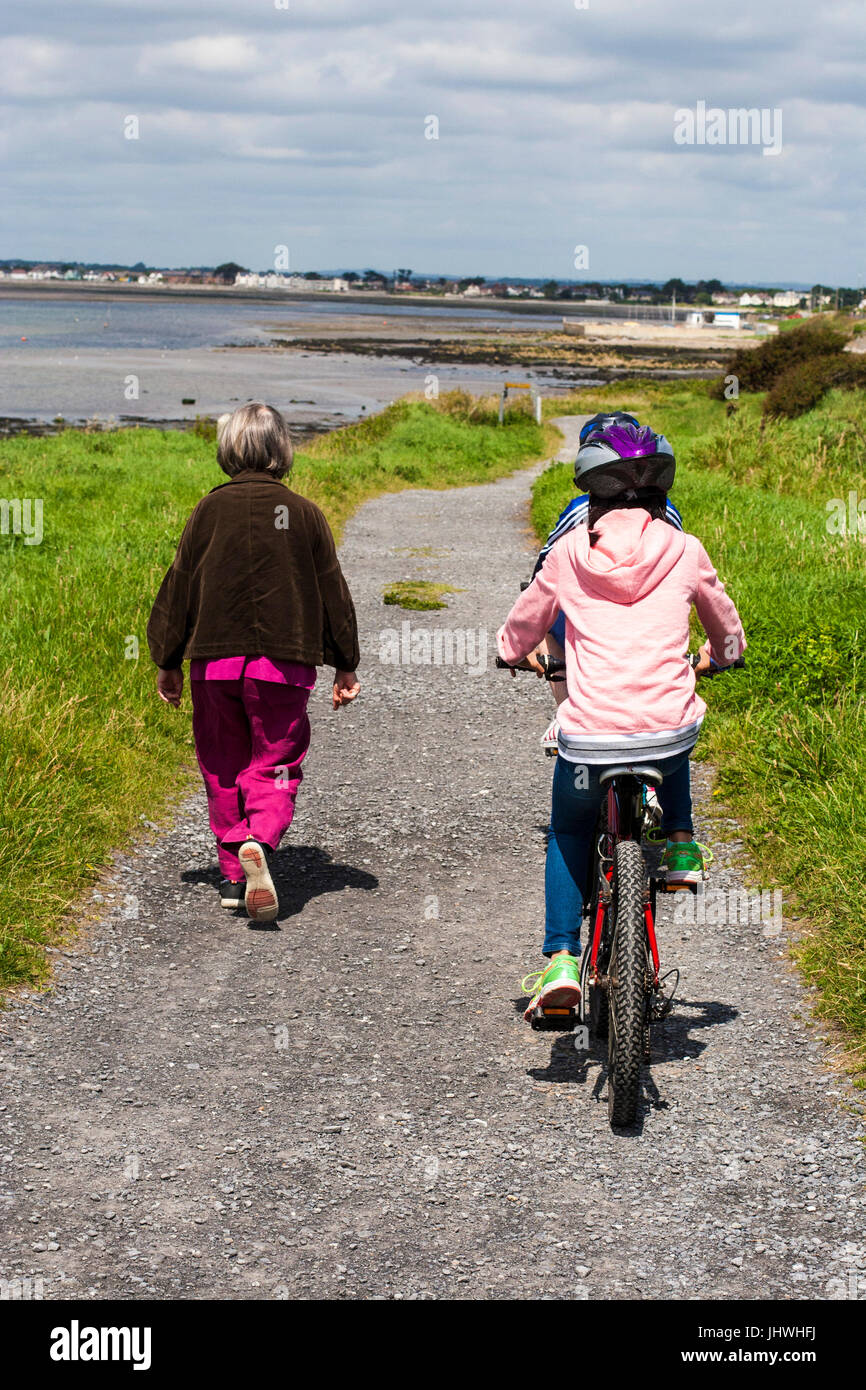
(254, 436)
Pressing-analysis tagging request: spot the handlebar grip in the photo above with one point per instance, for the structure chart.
(694, 658)
(550, 664)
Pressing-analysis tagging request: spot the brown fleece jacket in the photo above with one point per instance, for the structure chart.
(256, 574)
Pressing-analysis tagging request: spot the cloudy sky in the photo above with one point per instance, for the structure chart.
(304, 126)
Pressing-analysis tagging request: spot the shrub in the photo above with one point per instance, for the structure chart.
(204, 428)
(757, 369)
(802, 386)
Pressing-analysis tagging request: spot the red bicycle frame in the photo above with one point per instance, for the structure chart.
(614, 832)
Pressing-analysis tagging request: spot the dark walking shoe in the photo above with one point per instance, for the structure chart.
(231, 892)
(260, 898)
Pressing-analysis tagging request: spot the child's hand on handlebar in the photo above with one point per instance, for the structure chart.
(534, 664)
(703, 664)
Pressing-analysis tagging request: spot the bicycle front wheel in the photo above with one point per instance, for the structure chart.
(627, 985)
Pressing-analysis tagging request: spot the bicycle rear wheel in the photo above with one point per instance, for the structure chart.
(627, 985)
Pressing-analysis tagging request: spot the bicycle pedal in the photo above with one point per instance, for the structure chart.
(553, 1020)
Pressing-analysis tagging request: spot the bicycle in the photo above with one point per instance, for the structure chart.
(622, 990)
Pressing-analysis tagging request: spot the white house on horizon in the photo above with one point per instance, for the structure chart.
(273, 281)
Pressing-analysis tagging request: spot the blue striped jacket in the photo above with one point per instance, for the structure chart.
(575, 514)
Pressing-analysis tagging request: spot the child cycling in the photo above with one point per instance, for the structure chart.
(575, 514)
(626, 583)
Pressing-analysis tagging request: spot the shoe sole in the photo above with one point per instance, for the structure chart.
(685, 876)
(260, 899)
(559, 996)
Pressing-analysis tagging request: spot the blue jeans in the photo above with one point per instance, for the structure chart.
(558, 629)
(570, 848)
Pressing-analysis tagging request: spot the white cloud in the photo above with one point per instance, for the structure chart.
(206, 53)
(555, 126)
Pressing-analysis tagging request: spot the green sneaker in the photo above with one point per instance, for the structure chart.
(555, 987)
(684, 862)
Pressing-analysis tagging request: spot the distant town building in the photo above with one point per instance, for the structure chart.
(781, 299)
(272, 281)
(787, 299)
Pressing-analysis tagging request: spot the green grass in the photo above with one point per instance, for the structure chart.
(787, 734)
(86, 749)
(417, 594)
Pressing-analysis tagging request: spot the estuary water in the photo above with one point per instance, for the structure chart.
(150, 360)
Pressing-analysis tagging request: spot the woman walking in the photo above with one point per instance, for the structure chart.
(255, 599)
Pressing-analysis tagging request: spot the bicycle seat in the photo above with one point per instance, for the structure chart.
(642, 771)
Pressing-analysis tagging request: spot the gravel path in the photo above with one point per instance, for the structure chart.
(350, 1105)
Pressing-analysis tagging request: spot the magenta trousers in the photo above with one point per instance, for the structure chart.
(251, 737)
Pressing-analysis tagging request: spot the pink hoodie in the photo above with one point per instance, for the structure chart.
(627, 602)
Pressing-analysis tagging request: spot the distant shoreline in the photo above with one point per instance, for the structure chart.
(13, 425)
(547, 308)
(324, 364)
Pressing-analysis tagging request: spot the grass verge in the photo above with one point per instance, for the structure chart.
(773, 502)
(87, 752)
(417, 594)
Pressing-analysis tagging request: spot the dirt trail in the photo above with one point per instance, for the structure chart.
(350, 1105)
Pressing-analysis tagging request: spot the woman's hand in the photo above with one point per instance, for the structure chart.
(346, 687)
(169, 686)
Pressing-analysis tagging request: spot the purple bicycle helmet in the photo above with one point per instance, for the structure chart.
(625, 460)
(603, 420)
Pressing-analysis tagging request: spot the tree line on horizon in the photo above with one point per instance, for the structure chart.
(698, 293)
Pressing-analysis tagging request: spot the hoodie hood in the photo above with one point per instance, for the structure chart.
(631, 556)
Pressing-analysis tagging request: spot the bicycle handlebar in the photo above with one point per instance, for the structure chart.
(694, 658)
(551, 665)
